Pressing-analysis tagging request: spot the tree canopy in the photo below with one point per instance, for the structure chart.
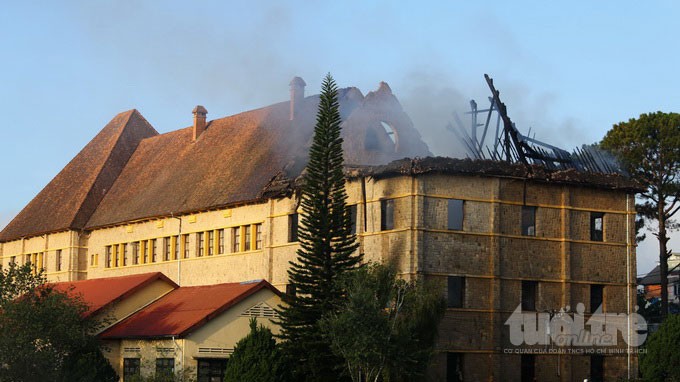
(327, 247)
(256, 358)
(387, 326)
(661, 361)
(649, 149)
(44, 334)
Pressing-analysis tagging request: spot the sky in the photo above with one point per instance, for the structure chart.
(568, 71)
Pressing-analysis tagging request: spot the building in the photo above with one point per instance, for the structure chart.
(216, 203)
(651, 282)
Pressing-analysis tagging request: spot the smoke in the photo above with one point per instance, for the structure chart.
(192, 54)
(432, 98)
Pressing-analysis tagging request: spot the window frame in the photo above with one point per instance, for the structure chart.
(596, 297)
(595, 233)
(131, 370)
(529, 295)
(293, 227)
(455, 296)
(387, 212)
(528, 221)
(165, 366)
(458, 224)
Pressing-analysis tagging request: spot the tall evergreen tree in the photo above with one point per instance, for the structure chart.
(327, 247)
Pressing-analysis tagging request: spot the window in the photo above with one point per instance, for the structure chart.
(236, 239)
(125, 253)
(130, 368)
(154, 250)
(528, 221)
(258, 236)
(220, 241)
(176, 245)
(292, 228)
(116, 256)
(529, 293)
(456, 291)
(386, 214)
(596, 296)
(107, 256)
(211, 243)
(145, 251)
(200, 238)
(135, 253)
(291, 290)
(596, 368)
(455, 214)
(353, 218)
(165, 366)
(247, 238)
(57, 258)
(528, 368)
(210, 370)
(596, 226)
(13, 260)
(167, 244)
(454, 367)
(186, 241)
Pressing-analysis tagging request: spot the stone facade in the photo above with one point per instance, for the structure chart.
(493, 253)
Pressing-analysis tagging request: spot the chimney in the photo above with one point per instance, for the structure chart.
(199, 121)
(297, 94)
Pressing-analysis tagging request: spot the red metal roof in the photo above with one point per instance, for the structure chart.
(100, 293)
(183, 310)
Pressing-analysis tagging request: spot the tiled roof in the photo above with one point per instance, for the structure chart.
(101, 293)
(70, 198)
(130, 172)
(183, 310)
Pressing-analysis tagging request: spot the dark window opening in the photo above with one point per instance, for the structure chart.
(58, 265)
(131, 368)
(454, 367)
(529, 294)
(165, 366)
(528, 221)
(292, 228)
(596, 226)
(291, 290)
(596, 296)
(455, 215)
(386, 214)
(353, 218)
(211, 370)
(596, 368)
(528, 368)
(456, 291)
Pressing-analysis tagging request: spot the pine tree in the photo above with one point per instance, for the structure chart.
(256, 358)
(327, 247)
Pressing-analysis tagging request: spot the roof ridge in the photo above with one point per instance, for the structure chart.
(105, 163)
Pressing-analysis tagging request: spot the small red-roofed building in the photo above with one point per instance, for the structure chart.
(190, 330)
(111, 299)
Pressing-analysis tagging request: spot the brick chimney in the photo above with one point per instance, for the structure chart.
(199, 121)
(297, 94)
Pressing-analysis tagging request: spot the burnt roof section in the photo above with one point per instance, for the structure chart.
(69, 200)
(441, 165)
(238, 158)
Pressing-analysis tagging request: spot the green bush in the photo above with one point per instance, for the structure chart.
(256, 358)
(661, 362)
